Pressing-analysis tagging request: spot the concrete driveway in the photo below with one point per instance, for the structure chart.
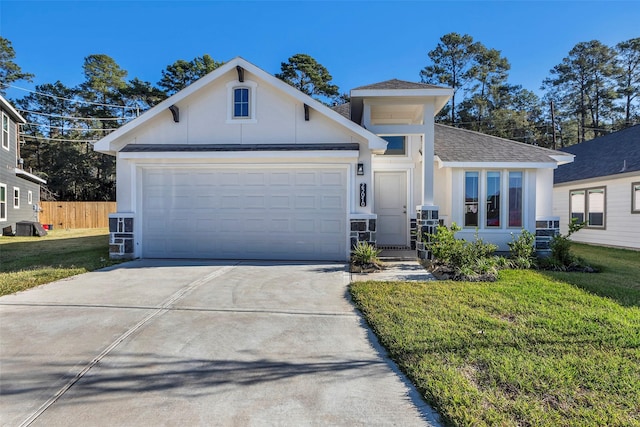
(197, 343)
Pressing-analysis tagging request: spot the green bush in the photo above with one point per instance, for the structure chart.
(365, 254)
(522, 252)
(561, 256)
(466, 260)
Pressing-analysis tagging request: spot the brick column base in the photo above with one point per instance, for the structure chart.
(427, 222)
(121, 236)
(363, 229)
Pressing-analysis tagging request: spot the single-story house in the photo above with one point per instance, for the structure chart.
(19, 189)
(602, 188)
(241, 165)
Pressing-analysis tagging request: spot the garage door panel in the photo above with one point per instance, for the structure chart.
(251, 213)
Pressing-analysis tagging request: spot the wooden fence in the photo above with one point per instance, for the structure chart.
(76, 214)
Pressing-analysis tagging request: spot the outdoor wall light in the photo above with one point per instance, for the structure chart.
(360, 170)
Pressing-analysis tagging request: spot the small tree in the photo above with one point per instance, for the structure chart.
(309, 76)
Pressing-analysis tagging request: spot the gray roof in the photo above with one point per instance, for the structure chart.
(398, 84)
(612, 154)
(163, 148)
(343, 109)
(461, 145)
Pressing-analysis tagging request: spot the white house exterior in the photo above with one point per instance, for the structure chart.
(242, 165)
(602, 188)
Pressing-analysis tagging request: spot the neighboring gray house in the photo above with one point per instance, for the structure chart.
(602, 188)
(19, 189)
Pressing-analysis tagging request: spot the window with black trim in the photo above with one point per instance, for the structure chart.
(635, 198)
(396, 145)
(588, 205)
(3, 202)
(16, 198)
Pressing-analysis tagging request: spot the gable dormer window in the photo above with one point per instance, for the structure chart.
(5, 131)
(241, 102)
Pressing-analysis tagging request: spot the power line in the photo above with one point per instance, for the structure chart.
(60, 140)
(70, 99)
(73, 118)
(66, 128)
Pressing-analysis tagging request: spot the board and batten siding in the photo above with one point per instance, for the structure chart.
(622, 228)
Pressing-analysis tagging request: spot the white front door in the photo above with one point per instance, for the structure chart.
(391, 207)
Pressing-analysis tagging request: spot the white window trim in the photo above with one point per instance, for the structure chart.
(30, 197)
(633, 198)
(252, 86)
(8, 144)
(508, 196)
(4, 218)
(16, 198)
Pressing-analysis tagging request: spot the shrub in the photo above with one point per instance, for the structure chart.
(561, 246)
(522, 252)
(365, 254)
(466, 260)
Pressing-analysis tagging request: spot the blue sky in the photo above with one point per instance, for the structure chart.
(360, 42)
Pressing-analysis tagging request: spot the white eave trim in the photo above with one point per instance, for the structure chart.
(563, 159)
(243, 155)
(498, 165)
(29, 176)
(12, 111)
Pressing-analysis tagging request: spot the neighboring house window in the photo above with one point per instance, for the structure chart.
(471, 199)
(635, 197)
(241, 103)
(493, 199)
(5, 131)
(3, 202)
(515, 199)
(16, 198)
(396, 145)
(588, 206)
(30, 197)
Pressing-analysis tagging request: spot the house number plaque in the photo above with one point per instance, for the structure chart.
(363, 194)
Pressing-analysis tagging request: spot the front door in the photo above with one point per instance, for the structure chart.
(391, 207)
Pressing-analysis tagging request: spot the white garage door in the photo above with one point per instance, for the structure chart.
(287, 214)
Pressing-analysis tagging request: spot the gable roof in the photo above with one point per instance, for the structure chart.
(612, 154)
(398, 84)
(104, 145)
(8, 108)
(455, 145)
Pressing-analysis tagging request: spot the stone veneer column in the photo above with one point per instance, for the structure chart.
(121, 241)
(427, 222)
(363, 229)
(546, 229)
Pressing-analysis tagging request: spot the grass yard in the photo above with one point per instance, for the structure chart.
(31, 261)
(532, 349)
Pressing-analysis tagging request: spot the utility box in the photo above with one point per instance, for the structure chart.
(30, 228)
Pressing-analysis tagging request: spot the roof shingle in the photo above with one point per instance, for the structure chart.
(618, 152)
(398, 84)
(461, 145)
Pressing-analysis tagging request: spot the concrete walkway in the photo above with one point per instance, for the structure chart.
(197, 343)
(399, 266)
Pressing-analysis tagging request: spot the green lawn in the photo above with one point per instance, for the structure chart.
(31, 261)
(532, 349)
